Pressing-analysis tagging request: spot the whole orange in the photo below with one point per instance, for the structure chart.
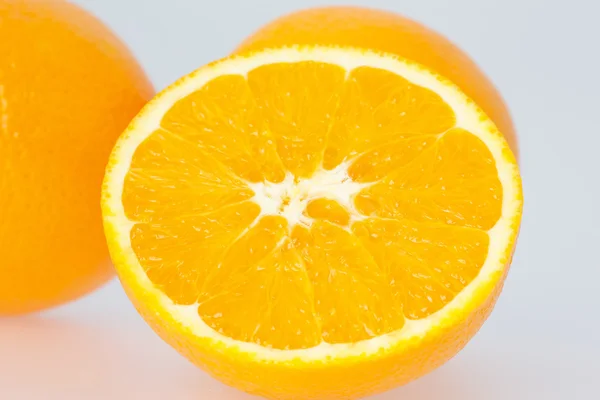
(68, 88)
(391, 33)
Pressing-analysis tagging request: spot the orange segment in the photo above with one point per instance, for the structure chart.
(375, 164)
(427, 265)
(270, 304)
(179, 254)
(260, 292)
(169, 178)
(329, 210)
(378, 107)
(222, 119)
(353, 298)
(299, 115)
(454, 182)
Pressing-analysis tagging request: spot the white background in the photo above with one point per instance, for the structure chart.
(542, 341)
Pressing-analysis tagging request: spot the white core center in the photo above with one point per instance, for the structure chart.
(290, 197)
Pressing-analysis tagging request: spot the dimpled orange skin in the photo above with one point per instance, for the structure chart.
(68, 88)
(391, 33)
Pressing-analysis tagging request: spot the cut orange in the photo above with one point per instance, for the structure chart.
(313, 223)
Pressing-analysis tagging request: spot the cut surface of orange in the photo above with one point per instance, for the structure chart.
(315, 222)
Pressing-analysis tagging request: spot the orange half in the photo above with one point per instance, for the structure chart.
(313, 223)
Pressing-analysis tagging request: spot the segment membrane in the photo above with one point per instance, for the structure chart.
(222, 119)
(298, 102)
(427, 265)
(353, 298)
(454, 182)
(260, 292)
(379, 162)
(378, 107)
(169, 178)
(180, 255)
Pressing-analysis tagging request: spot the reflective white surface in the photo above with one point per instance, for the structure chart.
(100, 348)
(541, 342)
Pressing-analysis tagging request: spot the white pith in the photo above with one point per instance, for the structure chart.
(330, 184)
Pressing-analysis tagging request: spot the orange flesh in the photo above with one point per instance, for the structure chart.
(414, 237)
